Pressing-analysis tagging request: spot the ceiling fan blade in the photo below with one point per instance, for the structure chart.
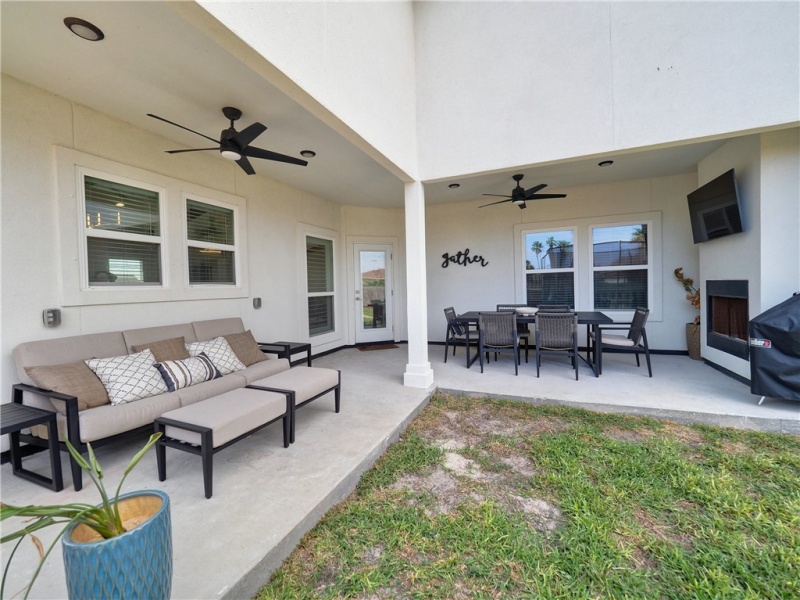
(246, 166)
(190, 150)
(493, 203)
(248, 134)
(182, 127)
(499, 195)
(534, 189)
(269, 155)
(543, 196)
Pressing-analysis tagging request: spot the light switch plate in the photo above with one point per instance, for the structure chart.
(51, 317)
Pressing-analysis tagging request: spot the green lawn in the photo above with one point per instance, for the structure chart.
(493, 499)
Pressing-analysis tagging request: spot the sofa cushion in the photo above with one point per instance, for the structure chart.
(220, 353)
(171, 349)
(104, 421)
(58, 351)
(179, 374)
(75, 379)
(264, 369)
(214, 328)
(306, 382)
(130, 377)
(211, 388)
(147, 335)
(245, 347)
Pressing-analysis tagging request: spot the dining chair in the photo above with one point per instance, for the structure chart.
(497, 332)
(557, 333)
(635, 341)
(559, 308)
(522, 328)
(456, 332)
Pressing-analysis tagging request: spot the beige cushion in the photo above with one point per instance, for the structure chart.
(163, 350)
(75, 379)
(212, 328)
(245, 347)
(306, 382)
(147, 335)
(209, 389)
(610, 339)
(229, 415)
(264, 369)
(111, 419)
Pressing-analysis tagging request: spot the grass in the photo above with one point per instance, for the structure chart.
(497, 499)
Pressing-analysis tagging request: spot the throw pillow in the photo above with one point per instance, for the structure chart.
(179, 374)
(130, 377)
(75, 379)
(220, 353)
(245, 347)
(172, 349)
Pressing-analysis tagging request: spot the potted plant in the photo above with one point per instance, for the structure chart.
(692, 329)
(121, 548)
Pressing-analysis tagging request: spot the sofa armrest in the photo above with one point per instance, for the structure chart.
(70, 402)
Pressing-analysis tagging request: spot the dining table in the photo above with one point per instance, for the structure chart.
(591, 318)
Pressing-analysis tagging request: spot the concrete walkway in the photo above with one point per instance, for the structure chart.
(266, 497)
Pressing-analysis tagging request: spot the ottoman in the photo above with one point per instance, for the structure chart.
(212, 425)
(304, 384)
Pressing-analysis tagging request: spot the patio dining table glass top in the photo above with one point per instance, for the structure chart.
(591, 318)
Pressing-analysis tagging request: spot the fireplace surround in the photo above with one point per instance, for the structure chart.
(727, 316)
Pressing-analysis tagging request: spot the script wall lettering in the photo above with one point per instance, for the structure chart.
(462, 258)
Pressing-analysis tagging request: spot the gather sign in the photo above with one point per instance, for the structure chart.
(462, 258)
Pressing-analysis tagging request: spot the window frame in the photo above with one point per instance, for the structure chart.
(648, 267)
(573, 269)
(584, 290)
(323, 341)
(81, 173)
(327, 294)
(72, 260)
(235, 247)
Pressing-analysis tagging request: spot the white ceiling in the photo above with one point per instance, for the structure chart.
(153, 61)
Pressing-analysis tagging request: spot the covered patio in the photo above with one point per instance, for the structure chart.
(266, 497)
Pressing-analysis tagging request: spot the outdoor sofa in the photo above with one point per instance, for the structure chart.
(55, 375)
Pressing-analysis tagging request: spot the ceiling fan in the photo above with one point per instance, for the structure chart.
(519, 195)
(235, 145)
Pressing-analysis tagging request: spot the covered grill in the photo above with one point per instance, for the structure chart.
(775, 351)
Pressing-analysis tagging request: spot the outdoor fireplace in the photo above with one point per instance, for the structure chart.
(727, 316)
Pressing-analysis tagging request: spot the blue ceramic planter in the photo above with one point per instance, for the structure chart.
(137, 564)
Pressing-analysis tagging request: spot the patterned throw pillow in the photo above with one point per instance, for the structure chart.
(128, 378)
(245, 347)
(179, 374)
(220, 353)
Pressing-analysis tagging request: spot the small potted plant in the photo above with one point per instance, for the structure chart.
(121, 548)
(692, 329)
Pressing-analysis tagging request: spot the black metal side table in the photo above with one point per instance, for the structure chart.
(286, 349)
(16, 417)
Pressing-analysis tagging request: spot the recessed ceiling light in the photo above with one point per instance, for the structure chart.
(605, 163)
(454, 186)
(84, 29)
(308, 153)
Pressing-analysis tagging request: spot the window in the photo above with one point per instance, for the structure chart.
(620, 262)
(319, 271)
(211, 244)
(550, 267)
(123, 233)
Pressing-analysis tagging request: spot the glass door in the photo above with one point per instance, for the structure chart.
(373, 293)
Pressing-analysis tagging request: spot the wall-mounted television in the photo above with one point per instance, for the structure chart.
(714, 209)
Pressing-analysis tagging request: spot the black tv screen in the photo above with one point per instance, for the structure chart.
(714, 209)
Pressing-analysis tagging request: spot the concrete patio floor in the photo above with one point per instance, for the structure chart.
(266, 497)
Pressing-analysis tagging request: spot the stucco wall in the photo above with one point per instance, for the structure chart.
(514, 83)
(355, 58)
(490, 232)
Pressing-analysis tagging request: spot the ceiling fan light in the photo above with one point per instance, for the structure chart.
(230, 155)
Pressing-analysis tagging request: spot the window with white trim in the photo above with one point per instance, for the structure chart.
(319, 273)
(122, 227)
(550, 267)
(620, 266)
(211, 243)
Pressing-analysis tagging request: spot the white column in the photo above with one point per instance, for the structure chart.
(418, 370)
